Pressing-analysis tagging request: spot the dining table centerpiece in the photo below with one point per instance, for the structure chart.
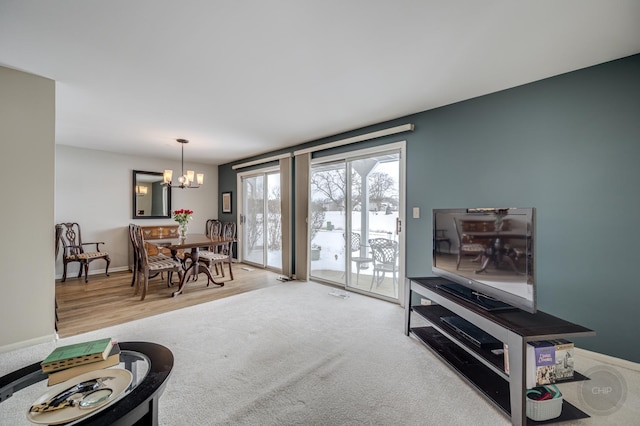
(182, 216)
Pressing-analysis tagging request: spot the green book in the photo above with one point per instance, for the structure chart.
(77, 354)
(60, 376)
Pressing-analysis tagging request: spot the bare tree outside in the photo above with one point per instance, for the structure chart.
(274, 222)
(316, 217)
(254, 209)
(331, 184)
(382, 189)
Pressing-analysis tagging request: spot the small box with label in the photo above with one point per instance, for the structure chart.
(541, 363)
(564, 359)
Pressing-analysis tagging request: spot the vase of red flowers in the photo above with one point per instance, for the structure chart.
(182, 216)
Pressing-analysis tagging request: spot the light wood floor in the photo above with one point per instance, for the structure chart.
(107, 301)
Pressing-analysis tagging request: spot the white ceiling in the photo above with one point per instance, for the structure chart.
(239, 78)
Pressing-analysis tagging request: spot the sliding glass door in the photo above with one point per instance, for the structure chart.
(260, 219)
(354, 218)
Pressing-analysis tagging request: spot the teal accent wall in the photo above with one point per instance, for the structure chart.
(570, 147)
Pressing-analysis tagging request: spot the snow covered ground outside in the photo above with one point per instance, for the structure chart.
(331, 263)
(332, 255)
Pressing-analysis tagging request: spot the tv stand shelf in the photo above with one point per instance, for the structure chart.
(480, 367)
(433, 313)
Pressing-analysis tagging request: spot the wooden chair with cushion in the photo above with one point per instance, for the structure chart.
(68, 234)
(213, 222)
(222, 253)
(214, 229)
(152, 257)
(467, 246)
(148, 269)
(229, 231)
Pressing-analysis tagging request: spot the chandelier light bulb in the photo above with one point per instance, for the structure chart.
(168, 175)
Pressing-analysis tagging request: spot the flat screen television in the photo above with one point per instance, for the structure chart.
(487, 252)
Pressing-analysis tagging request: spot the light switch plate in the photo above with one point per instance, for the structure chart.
(416, 212)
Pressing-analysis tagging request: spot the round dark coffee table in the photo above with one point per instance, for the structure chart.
(150, 364)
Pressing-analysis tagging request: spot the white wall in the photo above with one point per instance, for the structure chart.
(59, 184)
(94, 188)
(27, 132)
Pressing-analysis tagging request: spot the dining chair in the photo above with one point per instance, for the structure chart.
(73, 250)
(440, 238)
(148, 269)
(152, 258)
(356, 247)
(385, 259)
(222, 253)
(226, 249)
(213, 222)
(466, 246)
(229, 231)
(213, 229)
(56, 317)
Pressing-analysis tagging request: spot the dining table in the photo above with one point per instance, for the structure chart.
(497, 251)
(192, 242)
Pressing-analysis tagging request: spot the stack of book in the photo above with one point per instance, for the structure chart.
(541, 364)
(549, 361)
(66, 362)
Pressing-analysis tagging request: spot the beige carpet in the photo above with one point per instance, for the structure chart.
(295, 355)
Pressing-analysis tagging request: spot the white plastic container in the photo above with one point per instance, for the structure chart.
(545, 410)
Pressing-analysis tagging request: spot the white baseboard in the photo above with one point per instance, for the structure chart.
(96, 272)
(27, 343)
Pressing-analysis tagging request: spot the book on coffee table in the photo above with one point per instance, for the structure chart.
(68, 373)
(77, 354)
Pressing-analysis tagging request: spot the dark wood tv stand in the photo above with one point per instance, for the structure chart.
(479, 367)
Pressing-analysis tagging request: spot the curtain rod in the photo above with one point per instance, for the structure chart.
(260, 161)
(378, 134)
(360, 138)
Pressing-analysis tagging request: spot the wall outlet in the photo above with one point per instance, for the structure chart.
(424, 301)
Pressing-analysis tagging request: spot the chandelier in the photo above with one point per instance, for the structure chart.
(186, 179)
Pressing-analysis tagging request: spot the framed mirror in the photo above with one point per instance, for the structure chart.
(151, 198)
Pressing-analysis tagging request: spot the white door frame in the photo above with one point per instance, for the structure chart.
(400, 146)
(239, 218)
